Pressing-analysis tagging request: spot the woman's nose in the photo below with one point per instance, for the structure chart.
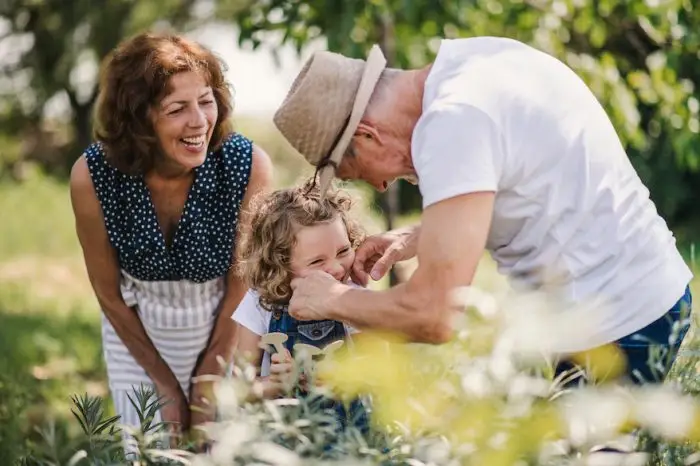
(198, 118)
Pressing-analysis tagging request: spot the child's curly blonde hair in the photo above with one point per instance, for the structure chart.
(265, 249)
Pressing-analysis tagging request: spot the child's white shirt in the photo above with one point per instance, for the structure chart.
(252, 316)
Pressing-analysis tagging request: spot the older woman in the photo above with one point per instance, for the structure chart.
(157, 200)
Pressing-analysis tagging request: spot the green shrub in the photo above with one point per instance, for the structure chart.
(487, 397)
(13, 401)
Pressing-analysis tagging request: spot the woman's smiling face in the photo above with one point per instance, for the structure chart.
(184, 120)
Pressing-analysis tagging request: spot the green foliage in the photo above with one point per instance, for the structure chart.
(13, 442)
(100, 433)
(57, 47)
(49, 333)
(101, 441)
(640, 58)
(41, 216)
(476, 400)
(41, 356)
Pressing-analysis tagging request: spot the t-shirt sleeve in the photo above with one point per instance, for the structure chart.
(250, 315)
(456, 150)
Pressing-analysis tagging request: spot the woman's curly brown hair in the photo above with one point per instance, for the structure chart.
(265, 249)
(134, 78)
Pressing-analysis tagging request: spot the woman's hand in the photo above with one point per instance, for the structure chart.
(176, 412)
(202, 402)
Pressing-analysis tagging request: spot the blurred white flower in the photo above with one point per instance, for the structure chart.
(471, 297)
(498, 440)
(523, 386)
(77, 457)
(227, 396)
(692, 459)
(201, 460)
(616, 459)
(540, 324)
(501, 366)
(594, 415)
(229, 439)
(434, 452)
(665, 411)
(273, 454)
(467, 448)
(475, 382)
(553, 450)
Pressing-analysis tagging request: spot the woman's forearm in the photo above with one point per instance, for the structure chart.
(130, 330)
(223, 335)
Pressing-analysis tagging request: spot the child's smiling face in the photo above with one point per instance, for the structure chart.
(324, 246)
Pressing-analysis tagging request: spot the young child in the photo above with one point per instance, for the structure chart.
(293, 231)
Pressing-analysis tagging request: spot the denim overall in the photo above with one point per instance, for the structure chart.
(320, 333)
(664, 335)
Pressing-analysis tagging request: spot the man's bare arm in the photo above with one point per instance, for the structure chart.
(450, 246)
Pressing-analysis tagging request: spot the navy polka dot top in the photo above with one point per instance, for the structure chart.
(202, 247)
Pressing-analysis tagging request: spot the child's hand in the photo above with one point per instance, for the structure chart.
(280, 379)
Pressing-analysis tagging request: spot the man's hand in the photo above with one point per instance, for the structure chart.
(313, 296)
(378, 253)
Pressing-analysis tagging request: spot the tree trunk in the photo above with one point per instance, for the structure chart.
(82, 127)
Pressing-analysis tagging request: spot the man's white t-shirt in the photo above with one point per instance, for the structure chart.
(570, 210)
(256, 319)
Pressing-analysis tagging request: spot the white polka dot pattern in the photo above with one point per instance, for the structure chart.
(203, 244)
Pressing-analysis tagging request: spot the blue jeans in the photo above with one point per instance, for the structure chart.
(659, 340)
(320, 333)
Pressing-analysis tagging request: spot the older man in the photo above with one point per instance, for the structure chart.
(513, 154)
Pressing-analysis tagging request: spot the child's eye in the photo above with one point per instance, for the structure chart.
(316, 262)
(343, 251)
(207, 102)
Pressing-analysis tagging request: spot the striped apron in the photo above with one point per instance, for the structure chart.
(178, 316)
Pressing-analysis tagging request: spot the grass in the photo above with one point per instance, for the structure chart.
(49, 320)
(49, 333)
(37, 220)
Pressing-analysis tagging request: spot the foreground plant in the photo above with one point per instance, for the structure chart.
(489, 397)
(103, 441)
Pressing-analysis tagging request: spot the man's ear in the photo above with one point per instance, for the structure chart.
(367, 130)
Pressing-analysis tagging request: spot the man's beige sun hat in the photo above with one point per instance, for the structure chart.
(325, 104)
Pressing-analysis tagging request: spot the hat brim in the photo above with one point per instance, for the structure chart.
(375, 65)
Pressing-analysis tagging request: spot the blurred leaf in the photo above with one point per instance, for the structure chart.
(634, 54)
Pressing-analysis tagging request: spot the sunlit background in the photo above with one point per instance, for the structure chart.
(640, 57)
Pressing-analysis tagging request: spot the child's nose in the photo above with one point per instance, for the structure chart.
(336, 269)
